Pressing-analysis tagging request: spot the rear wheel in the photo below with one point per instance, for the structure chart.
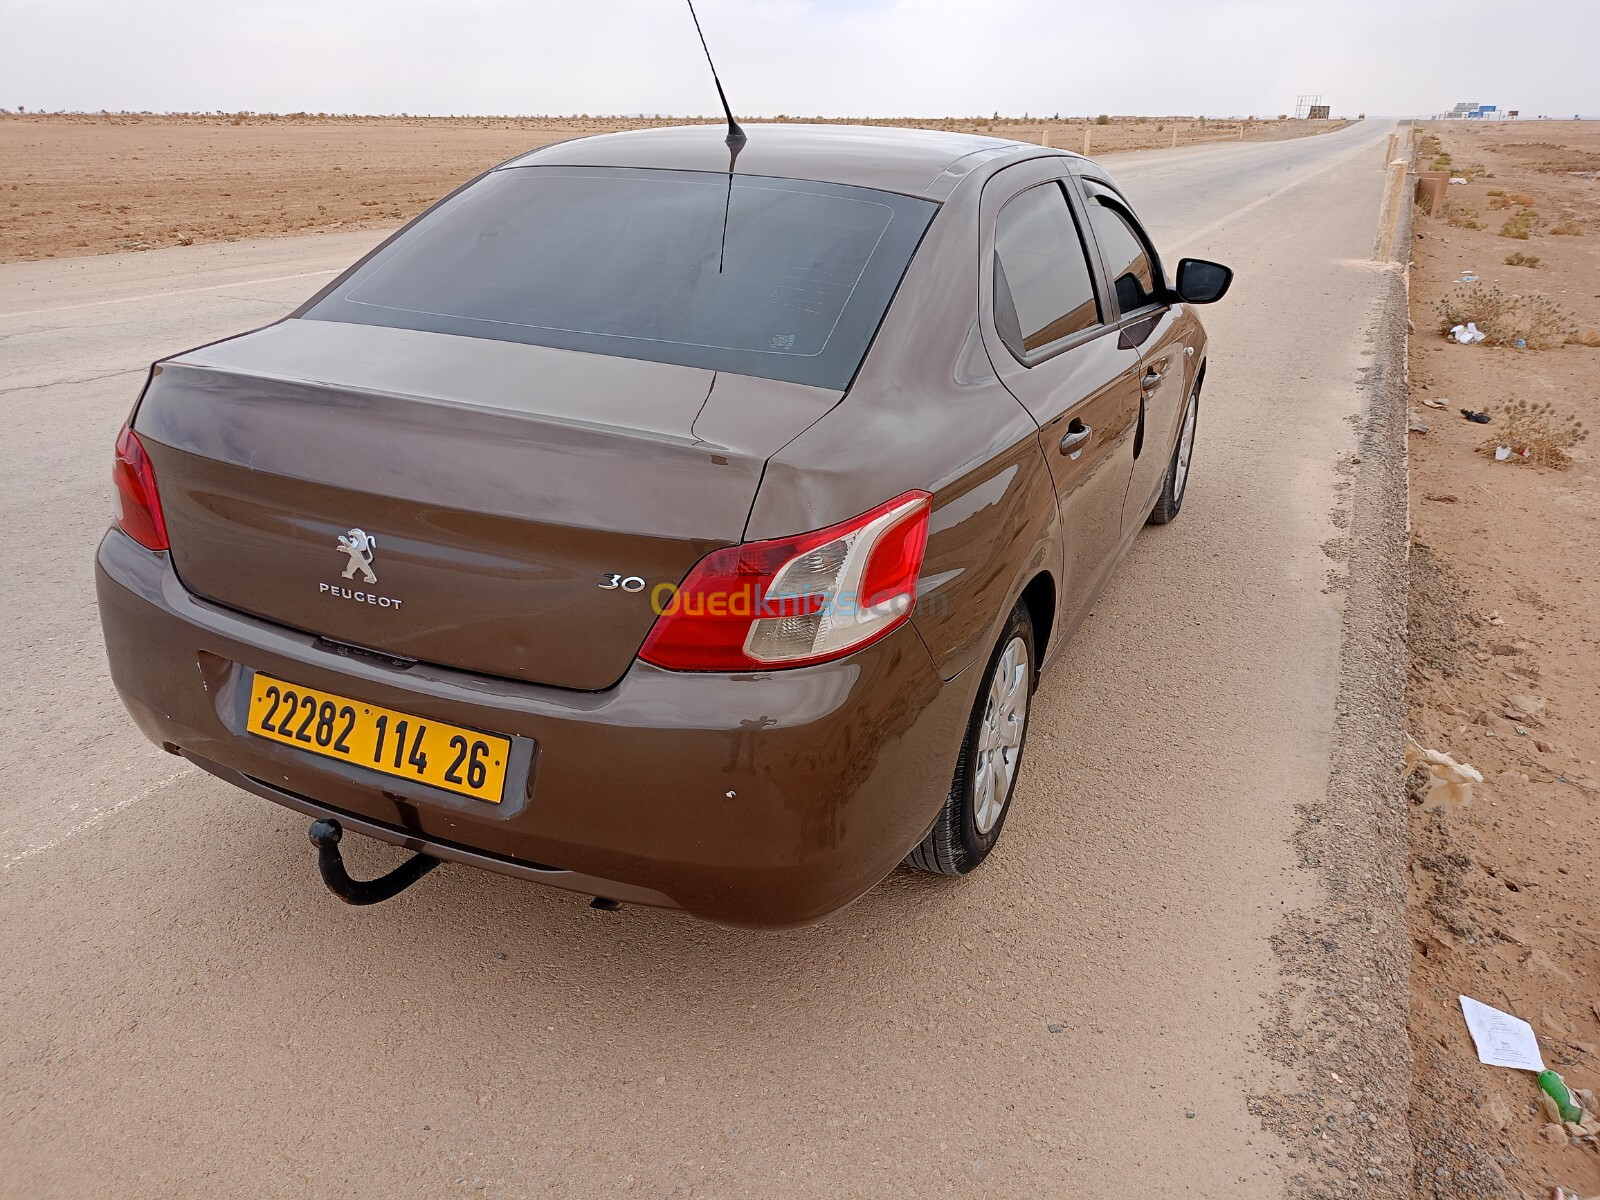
(1178, 469)
(991, 756)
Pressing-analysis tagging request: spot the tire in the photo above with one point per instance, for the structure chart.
(1177, 480)
(970, 822)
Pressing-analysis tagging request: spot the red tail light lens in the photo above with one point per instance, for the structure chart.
(794, 601)
(138, 505)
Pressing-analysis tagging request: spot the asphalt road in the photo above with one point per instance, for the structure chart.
(186, 1012)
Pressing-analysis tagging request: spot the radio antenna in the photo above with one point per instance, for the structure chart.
(736, 136)
(735, 139)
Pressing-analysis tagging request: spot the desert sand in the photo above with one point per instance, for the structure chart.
(1505, 903)
(98, 184)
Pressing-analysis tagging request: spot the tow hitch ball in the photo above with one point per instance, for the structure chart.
(325, 835)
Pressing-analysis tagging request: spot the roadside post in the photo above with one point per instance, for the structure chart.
(1394, 189)
(1431, 188)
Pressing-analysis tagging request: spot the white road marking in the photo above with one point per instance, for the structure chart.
(91, 822)
(214, 287)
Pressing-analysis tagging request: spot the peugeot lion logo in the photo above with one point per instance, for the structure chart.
(359, 545)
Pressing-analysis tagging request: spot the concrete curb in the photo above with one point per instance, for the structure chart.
(1367, 876)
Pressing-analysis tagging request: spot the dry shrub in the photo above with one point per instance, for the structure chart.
(1536, 435)
(1567, 228)
(1498, 200)
(1522, 226)
(1429, 144)
(1519, 259)
(1497, 191)
(1590, 339)
(1506, 317)
(1522, 200)
(1461, 218)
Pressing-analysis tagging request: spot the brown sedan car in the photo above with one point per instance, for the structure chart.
(672, 532)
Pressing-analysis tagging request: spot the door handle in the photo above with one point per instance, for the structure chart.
(1151, 378)
(1076, 438)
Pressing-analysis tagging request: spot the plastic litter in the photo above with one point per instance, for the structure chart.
(1468, 334)
(1433, 403)
(1520, 344)
(1454, 179)
(1503, 1040)
(1482, 418)
(1501, 453)
(1469, 277)
(1556, 1088)
(1449, 782)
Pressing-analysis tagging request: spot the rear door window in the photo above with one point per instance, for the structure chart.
(1043, 289)
(1130, 260)
(786, 279)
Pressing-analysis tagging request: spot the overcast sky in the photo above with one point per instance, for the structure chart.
(828, 57)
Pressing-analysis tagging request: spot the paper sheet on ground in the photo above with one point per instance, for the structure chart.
(1502, 1040)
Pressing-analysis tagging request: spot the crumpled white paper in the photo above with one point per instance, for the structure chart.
(1468, 333)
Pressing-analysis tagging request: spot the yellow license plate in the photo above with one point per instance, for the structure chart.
(444, 756)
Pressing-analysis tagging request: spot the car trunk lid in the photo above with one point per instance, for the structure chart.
(499, 487)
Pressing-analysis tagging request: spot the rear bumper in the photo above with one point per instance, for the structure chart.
(763, 800)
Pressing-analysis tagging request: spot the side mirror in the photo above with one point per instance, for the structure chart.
(1202, 282)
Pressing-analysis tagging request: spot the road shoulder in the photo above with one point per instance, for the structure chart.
(1339, 1023)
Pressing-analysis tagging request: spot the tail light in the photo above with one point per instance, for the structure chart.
(794, 601)
(138, 505)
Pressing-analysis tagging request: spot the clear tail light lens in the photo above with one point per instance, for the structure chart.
(138, 504)
(794, 601)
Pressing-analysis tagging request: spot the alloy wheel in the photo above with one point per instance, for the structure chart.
(1180, 474)
(1005, 716)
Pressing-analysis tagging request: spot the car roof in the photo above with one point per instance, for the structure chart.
(915, 162)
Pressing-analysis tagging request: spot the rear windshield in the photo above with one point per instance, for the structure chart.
(635, 263)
